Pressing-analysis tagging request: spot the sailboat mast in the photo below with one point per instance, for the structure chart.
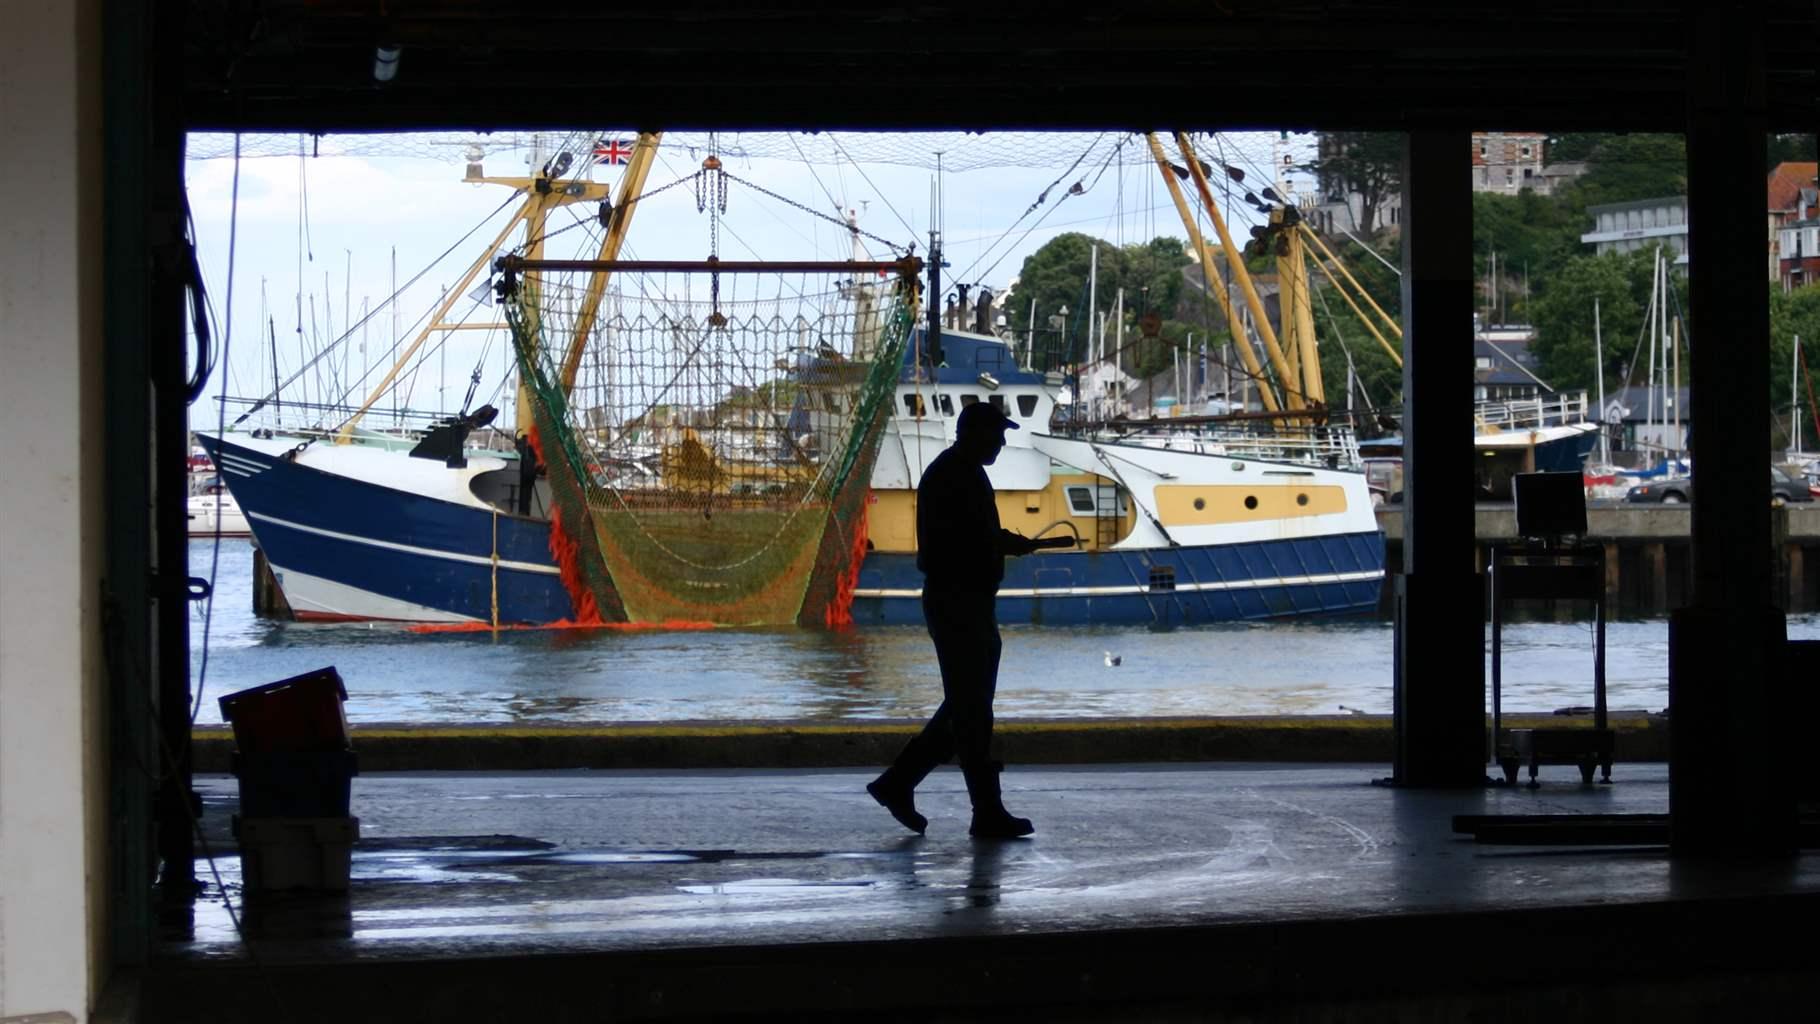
(1794, 398)
(1598, 348)
(1649, 392)
(1674, 396)
(1118, 344)
(1093, 294)
(277, 403)
(395, 333)
(1030, 337)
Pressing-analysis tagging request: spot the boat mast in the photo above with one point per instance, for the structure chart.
(1235, 261)
(619, 219)
(1094, 353)
(1118, 353)
(1210, 277)
(1599, 372)
(1675, 395)
(1649, 392)
(1794, 400)
(541, 197)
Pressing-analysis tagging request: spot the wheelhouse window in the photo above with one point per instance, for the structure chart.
(945, 402)
(1026, 406)
(913, 405)
(998, 402)
(1080, 500)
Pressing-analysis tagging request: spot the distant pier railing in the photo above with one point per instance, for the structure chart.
(1648, 571)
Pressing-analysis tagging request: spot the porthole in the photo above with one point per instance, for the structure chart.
(1251, 501)
(1301, 499)
(1199, 504)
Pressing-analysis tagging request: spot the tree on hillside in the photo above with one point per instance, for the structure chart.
(1056, 275)
(1641, 165)
(1572, 147)
(1378, 383)
(1530, 234)
(1797, 146)
(1564, 320)
(1368, 164)
(1792, 313)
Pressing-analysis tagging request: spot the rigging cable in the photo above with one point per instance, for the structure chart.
(875, 189)
(288, 381)
(1371, 409)
(1058, 205)
(1041, 197)
(838, 207)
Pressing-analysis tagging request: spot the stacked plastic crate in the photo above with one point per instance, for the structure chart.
(296, 767)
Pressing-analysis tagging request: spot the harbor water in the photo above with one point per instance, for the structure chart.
(394, 674)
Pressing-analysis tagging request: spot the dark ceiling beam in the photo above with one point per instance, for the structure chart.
(306, 65)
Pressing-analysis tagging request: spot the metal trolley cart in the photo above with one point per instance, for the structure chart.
(1544, 573)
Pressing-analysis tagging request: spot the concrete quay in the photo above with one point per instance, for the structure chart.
(1648, 562)
(1312, 739)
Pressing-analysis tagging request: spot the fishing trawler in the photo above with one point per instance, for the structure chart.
(731, 461)
(1227, 527)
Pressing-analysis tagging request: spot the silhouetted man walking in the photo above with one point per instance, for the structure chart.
(961, 551)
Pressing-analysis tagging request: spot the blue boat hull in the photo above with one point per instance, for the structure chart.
(387, 553)
(1567, 455)
(382, 553)
(1316, 577)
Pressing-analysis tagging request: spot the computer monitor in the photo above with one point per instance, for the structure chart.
(1550, 505)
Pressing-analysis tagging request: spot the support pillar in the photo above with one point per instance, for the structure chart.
(1656, 554)
(1440, 696)
(1614, 580)
(1797, 578)
(1730, 773)
(169, 446)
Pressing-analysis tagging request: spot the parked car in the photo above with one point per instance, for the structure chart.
(1668, 491)
(1783, 487)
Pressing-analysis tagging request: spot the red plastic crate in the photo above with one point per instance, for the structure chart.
(302, 714)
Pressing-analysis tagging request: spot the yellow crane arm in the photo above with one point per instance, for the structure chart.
(1309, 232)
(1235, 260)
(347, 429)
(1394, 354)
(1212, 277)
(631, 184)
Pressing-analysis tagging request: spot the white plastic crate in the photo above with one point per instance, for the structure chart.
(296, 853)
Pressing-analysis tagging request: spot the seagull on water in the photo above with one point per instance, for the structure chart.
(1354, 711)
(1112, 660)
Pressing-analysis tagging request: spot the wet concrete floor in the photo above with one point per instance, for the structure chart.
(1157, 892)
(459, 864)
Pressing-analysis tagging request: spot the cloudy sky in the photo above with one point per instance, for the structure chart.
(315, 235)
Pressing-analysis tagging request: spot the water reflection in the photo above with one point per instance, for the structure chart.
(564, 676)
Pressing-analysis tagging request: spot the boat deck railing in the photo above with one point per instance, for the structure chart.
(1524, 413)
(1332, 447)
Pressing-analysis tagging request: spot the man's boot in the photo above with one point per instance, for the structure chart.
(895, 790)
(990, 819)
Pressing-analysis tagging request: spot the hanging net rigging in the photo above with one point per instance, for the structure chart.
(709, 456)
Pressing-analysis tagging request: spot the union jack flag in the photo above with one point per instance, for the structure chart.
(615, 151)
